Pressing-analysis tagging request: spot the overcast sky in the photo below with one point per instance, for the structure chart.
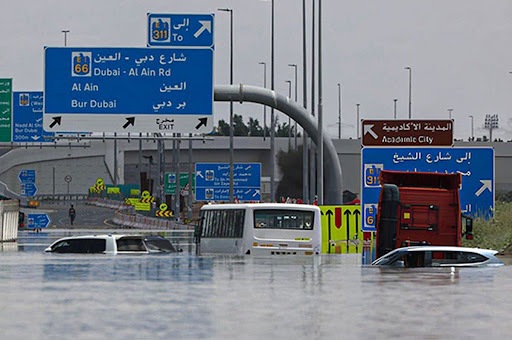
(460, 51)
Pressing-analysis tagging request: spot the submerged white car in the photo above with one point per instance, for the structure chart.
(112, 244)
(439, 256)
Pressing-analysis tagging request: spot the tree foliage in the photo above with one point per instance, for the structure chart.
(252, 129)
(290, 165)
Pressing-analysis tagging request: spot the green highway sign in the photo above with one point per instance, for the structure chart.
(5, 109)
(170, 183)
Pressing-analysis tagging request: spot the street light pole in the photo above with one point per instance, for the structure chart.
(231, 142)
(305, 148)
(289, 119)
(264, 106)
(394, 109)
(410, 90)
(312, 151)
(339, 111)
(471, 127)
(320, 164)
(272, 115)
(357, 120)
(295, 122)
(450, 113)
(65, 37)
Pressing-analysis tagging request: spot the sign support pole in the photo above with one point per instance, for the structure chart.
(190, 176)
(178, 189)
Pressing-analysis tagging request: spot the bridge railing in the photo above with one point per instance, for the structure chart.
(60, 197)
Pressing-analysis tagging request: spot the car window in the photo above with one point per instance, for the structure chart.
(440, 258)
(130, 244)
(79, 246)
(467, 257)
(414, 259)
(159, 243)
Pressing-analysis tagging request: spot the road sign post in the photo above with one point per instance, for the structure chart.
(27, 180)
(476, 166)
(28, 117)
(170, 182)
(180, 30)
(28, 189)
(5, 109)
(38, 221)
(162, 90)
(27, 176)
(399, 133)
(212, 181)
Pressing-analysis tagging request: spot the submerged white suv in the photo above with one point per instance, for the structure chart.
(112, 244)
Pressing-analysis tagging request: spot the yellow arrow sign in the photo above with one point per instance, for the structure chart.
(341, 229)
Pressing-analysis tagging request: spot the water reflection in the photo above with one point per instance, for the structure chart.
(161, 267)
(427, 276)
(184, 296)
(8, 246)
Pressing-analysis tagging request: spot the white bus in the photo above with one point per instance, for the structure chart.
(259, 229)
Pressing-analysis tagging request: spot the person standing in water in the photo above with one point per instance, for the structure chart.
(72, 214)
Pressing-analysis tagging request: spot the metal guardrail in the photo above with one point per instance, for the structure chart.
(61, 197)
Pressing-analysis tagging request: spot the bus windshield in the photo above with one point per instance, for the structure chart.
(283, 219)
(228, 223)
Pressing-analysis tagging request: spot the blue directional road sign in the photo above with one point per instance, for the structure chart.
(476, 165)
(27, 180)
(128, 90)
(28, 117)
(38, 221)
(212, 181)
(28, 189)
(27, 176)
(180, 30)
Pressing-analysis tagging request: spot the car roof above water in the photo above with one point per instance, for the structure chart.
(110, 243)
(465, 256)
(446, 248)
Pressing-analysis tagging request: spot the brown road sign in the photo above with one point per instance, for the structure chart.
(407, 132)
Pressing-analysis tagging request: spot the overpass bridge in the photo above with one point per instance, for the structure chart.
(86, 164)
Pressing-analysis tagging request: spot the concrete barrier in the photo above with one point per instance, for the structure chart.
(130, 220)
(125, 216)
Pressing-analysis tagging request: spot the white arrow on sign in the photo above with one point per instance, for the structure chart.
(34, 137)
(368, 129)
(256, 192)
(205, 25)
(199, 174)
(486, 184)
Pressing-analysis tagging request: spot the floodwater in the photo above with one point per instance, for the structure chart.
(184, 296)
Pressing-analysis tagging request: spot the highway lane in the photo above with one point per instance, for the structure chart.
(87, 216)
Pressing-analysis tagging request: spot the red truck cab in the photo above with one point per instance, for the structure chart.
(418, 208)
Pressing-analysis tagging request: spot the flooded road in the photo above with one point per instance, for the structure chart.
(184, 296)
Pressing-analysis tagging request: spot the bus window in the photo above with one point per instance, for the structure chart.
(283, 219)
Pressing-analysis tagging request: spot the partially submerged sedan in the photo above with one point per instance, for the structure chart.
(112, 244)
(439, 256)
